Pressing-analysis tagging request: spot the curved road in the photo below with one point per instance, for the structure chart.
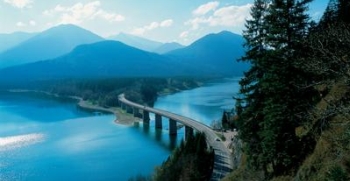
(223, 160)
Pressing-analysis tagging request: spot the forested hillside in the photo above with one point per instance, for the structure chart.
(294, 110)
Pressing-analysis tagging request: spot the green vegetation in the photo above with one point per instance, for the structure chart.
(190, 161)
(294, 110)
(105, 91)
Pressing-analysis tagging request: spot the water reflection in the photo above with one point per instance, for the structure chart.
(14, 142)
(161, 136)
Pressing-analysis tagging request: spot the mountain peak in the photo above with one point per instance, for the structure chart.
(217, 52)
(56, 41)
(68, 29)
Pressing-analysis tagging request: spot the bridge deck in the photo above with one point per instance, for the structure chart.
(223, 160)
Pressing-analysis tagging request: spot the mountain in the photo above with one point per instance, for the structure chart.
(137, 42)
(49, 44)
(167, 47)
(10, 40)
(101, 59)
(215, 54)
(212, 55)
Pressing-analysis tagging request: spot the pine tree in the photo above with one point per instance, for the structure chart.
(337, 11)
(344, 11)
(252, 96)
(287, 26)
(270, 89)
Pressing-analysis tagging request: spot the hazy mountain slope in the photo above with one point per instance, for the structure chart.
(216, 53)
(167, 47)
(8, 41)
(137, 42)
(212, 55)
(49, 44)
(102, 59)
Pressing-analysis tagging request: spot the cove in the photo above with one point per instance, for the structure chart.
(42, 138)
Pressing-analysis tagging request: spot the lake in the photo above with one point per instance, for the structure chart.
(44, 138)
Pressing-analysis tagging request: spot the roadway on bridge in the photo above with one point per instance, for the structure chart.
(223, 160)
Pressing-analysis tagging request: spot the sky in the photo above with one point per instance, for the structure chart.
(182, 21)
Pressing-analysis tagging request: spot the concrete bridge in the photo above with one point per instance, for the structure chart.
(223, 161)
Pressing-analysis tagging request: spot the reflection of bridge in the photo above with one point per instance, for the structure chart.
(223, 160)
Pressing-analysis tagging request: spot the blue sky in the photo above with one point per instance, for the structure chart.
(162, 20)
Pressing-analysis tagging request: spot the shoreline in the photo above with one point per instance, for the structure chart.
(121, 116)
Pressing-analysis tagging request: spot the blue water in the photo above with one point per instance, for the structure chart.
(42, 138)
(50, 139)
(205, 103)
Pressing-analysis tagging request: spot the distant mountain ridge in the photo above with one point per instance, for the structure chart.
(8, 41)
(101, 59)
(168, 47)
(49, 44)
(212, 55)
(136, 41)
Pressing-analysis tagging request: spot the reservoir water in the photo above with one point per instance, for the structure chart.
(43, 138)
(205, 103)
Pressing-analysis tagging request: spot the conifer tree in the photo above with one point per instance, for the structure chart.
(337, 11)
(252, 96)
(270, 89)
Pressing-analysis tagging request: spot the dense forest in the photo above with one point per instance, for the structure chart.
(104, 91)
(293, 111)
(192, 160)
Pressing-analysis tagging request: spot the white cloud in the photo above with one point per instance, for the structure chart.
(196, 22)
(210, 15)
(80, 12)
(166, 23)
(230, 16)
(111, 17)
(19, 3)
(20, 24)
(23, 24)
(152, 26)
(205, 8)
(32, 22)
(184, 34)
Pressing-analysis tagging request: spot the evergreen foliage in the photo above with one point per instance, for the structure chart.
(338, 11)
(271, 90)
(190, 161)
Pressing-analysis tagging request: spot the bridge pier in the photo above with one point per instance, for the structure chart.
(129, 110)
(188, 132)
(118, 103)
(158, 121)
(136, 112)
(172, 127)
(122, 106)
(145, 117)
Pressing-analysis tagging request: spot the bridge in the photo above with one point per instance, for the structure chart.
(223, 161)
